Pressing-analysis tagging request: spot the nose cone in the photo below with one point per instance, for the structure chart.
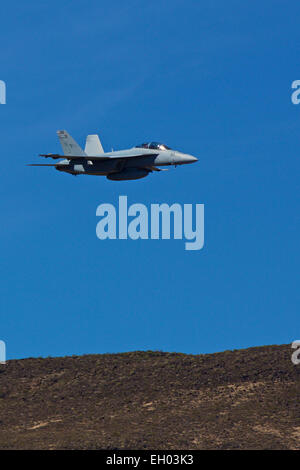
(192, 159)
(188, 158)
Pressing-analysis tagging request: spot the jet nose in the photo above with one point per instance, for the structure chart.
(190, 159)
(181, 158)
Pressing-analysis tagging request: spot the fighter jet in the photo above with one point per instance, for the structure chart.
(134, 163)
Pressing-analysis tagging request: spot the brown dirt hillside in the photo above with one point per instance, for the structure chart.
(242, 399)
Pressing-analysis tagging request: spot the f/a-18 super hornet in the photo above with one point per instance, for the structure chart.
(134, 163)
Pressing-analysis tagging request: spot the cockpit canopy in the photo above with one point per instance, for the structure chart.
(153, 145)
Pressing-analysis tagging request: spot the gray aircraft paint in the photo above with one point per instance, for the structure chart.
(133, 163)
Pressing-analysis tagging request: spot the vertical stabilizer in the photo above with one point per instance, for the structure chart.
(93, 145)
(69, 146)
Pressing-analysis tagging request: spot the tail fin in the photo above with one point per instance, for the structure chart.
(93, 145)
(69, 146)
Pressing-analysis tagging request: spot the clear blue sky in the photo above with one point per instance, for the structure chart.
(209, 78)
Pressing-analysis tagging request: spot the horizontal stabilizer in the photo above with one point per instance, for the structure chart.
(56, 155)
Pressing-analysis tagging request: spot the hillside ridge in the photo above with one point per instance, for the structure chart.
(240, 399)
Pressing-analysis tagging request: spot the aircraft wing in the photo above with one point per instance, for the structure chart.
(96, 157)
